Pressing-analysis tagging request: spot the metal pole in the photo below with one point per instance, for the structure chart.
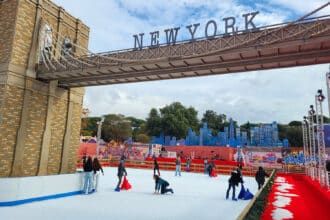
(328, 87)
(99, 129)
(311, 113)
(305, 142)
(319, 98)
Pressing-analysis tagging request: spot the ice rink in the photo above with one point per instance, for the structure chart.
(196, 196)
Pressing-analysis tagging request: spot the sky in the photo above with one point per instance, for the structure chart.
(281, 95)
(196, 196)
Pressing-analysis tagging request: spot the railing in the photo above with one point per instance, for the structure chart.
(164, 165)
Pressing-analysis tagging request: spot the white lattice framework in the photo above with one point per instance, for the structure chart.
(321, 160)
(305, 127)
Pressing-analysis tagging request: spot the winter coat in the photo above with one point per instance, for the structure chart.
(88, 166)
(159, 182)
(235, 178)
(97, 167)
(121, 170)
(260, 176)
(156, 164)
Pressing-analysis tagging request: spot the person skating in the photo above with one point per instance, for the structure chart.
(88, 176)
(260, 177)
(120, 174)
(156, 167)
(97, 170)
(178, 166)
(188, 164)
(161, 186)
(233, 182)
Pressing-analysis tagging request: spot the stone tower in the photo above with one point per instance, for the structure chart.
(39, 121)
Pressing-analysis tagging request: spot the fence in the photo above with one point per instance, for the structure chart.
(196, 166)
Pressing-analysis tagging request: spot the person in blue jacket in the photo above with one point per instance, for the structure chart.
(161, 185)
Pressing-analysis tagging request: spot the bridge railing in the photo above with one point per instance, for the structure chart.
(273, 26)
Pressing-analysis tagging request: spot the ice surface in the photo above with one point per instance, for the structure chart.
(196, 196)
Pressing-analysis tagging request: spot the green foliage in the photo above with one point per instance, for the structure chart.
(139, 132)
(143, 138)
(214, 121)
(89, 125)
(295, 123)
(116, 127)
(173, 120)
(86, 133)
(153, 124)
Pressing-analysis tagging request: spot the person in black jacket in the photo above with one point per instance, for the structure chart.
(161, 185)
(156, 167)
(120, 174)
(260, 177)
(88, 175)
(233, 182)
(97, 168)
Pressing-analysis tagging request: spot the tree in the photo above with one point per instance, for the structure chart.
(173, 120)
(139, 132)
(116, 127)
(295, 123)
(294, 135)
(143, 138)
(176, 119)
(153, 124)
(89, 126)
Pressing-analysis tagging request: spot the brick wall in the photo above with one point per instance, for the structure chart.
(11, 111)
(23, 33)
(75, 137)
(16, 37)
(33, 140)
(57, 131)
(7, 27)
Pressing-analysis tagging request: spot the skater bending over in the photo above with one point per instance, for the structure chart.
(161, 185)
(234, 179)
(120, 174)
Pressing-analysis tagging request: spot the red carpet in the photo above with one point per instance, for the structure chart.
(296, 196)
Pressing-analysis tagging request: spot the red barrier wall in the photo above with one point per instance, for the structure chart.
(86, 149)
(202, 152)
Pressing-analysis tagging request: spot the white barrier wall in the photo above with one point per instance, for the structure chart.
(20, 190)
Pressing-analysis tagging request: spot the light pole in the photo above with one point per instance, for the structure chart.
(304, 126)
(319, 98)
(99, 129)
(328, 87)
(311, 163)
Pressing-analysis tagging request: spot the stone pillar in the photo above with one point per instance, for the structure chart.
(46, 140)
(39, 122)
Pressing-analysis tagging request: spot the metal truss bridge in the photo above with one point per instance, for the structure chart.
(305, 41)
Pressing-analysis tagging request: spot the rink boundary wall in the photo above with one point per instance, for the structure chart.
(21, 190)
